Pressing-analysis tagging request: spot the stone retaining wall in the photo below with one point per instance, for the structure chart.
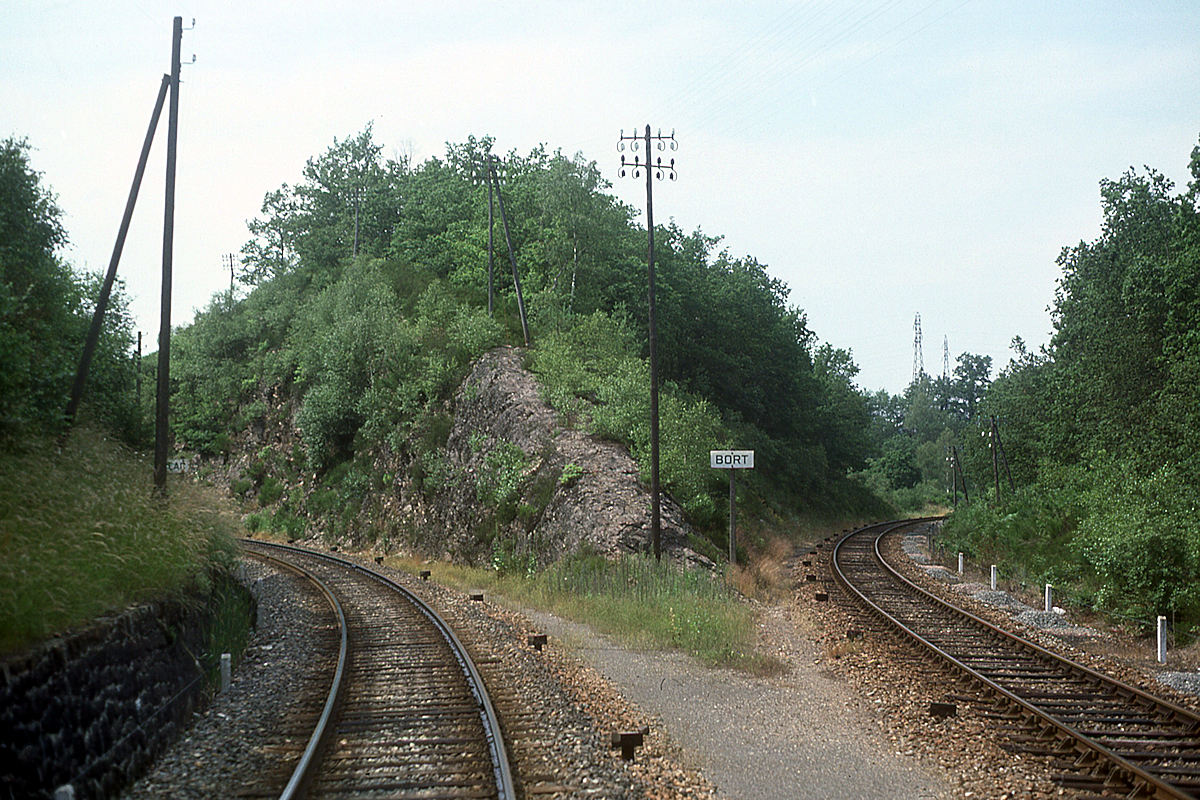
(93, 708)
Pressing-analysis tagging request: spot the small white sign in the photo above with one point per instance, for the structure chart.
(177, 465)
(731, 459)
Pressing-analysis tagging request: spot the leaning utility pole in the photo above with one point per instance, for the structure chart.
(163, 405)
(657, 169)
(93, 336)
(511, 257)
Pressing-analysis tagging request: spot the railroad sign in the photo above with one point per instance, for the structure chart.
(731, 459)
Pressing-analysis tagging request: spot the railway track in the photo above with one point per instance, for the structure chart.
(407, 713)
(1120, 740)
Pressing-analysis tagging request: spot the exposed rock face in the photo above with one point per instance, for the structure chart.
(575, 490)
(604, 507)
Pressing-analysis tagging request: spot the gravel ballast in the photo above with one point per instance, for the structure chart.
(245, 734)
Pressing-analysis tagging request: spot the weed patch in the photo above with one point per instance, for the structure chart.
(638, 601)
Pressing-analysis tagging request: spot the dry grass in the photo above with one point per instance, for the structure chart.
(843, 648)
(765, 578)
(82, 535)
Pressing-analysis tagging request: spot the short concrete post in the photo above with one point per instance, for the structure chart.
(1049, 597)
(65, 792)
(993, 577)
(960, 563)
(226, 671)
(1162, 640)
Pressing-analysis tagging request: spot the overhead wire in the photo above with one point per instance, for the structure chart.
(759, 121)
(769, 83)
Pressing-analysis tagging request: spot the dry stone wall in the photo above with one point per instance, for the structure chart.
(92, 709)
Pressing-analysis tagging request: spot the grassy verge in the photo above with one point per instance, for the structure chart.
(80, 535)
(640, 602)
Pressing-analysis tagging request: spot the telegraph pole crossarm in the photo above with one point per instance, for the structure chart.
(654, 169)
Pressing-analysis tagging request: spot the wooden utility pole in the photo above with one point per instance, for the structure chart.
(961, 475)
(229, 260)
(163, 404)
(93, 336)
(657, 169)
(993, 436)
(137, 376)
(491, 250)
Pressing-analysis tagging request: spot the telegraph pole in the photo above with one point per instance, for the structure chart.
(491, 248)
(163, 404)
(652, 170)
(228, 260)
(137, 376)
(993, 437)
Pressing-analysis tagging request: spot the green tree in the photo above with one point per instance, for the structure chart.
(45, 309)
(972, 376)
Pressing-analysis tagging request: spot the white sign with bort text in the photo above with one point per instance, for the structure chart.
(731, 459)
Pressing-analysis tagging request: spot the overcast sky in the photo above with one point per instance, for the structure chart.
(883, 158)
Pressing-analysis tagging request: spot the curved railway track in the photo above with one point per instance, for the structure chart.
(1130, 741)
(407, 713)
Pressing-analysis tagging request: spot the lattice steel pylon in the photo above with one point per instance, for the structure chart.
(918, 356)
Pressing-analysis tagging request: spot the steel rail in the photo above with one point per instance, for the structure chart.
(501, 768)
(301, 774)
(1141, 778)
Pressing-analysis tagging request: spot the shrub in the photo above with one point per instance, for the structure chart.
(570, 474)
(270, 491)
(1137, 536)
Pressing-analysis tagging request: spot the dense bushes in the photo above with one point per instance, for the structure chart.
(1100, 427)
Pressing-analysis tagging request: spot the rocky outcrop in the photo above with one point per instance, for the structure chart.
(579, 491)
(574, 491)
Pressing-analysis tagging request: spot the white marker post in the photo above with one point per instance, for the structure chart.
(731, 460)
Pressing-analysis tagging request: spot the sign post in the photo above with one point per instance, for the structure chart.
(731, 460)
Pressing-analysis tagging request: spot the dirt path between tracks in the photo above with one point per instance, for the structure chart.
(805, 734)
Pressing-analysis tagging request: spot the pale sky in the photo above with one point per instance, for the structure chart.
(882, 158)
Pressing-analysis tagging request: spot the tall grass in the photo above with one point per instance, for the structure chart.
(81, 535)
(641, 602)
